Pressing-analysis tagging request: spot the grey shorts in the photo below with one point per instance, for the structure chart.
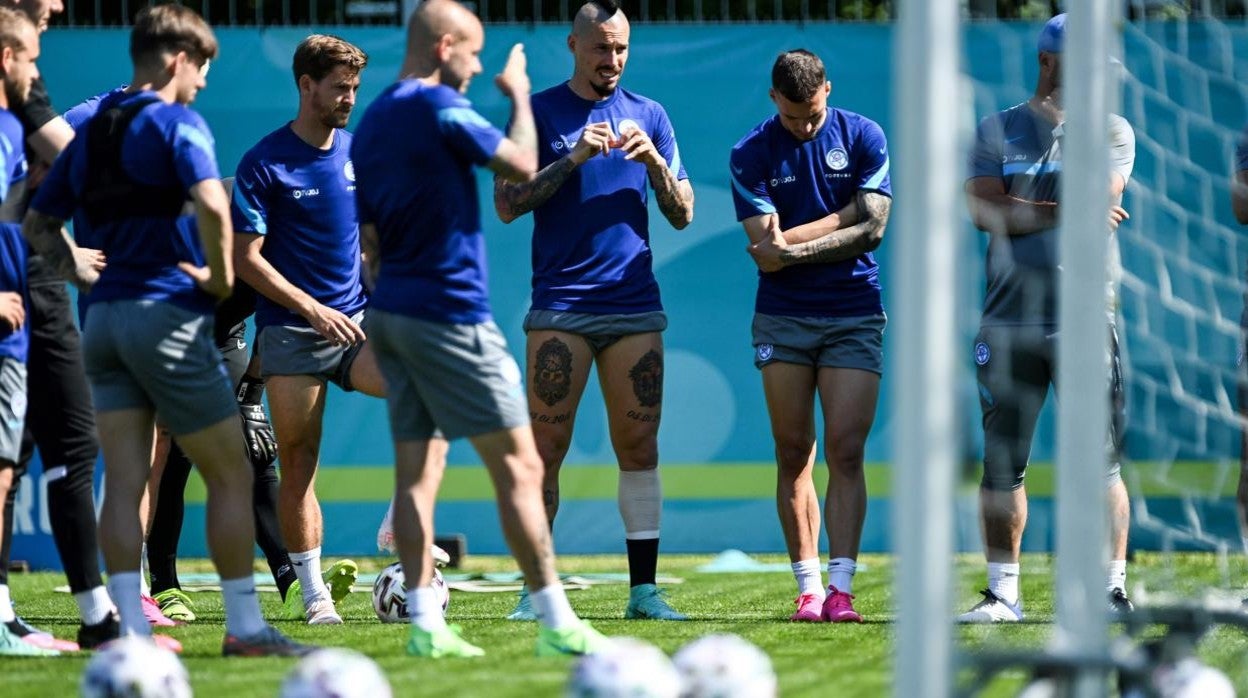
(454, 380)
(12, 408)
(142, 354)
(600, 331)
(302, 351)
(822, 342)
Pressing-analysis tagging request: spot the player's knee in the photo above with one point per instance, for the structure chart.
(793, 455)
(641, 454)
(846, 455)
(552, 448)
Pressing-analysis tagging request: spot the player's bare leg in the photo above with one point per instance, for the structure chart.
(848, 397)
(126, 438)
(366, 374)
(297, 405)
(558, 369)
(630, 372)
(790, 393)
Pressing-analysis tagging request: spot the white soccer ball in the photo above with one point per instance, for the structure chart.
(1189, 678)
(725, 666)
(335, 673)
(134, 667)
(627, 668)
(390, 593)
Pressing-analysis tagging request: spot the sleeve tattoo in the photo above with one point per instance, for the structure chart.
(850, 242)
(513, 200)
(674, 196)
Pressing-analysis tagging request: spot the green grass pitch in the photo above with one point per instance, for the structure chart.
(811, 660)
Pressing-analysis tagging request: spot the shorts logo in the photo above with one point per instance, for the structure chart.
(982, 354)
(348, 171)
(837, 159)
(764, 352)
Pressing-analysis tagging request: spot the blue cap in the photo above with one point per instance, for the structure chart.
(1053, 36)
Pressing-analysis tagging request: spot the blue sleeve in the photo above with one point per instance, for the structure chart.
(57, 196)
(749, 183)
(1241, 152)
(468, 133)
(80, 114)
(872, 159)
(665, 142)
(8, 159)
(248, 202)
(194, 151)
(985, 157)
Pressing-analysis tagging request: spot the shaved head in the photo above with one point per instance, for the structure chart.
(595, 13)
(434, 19)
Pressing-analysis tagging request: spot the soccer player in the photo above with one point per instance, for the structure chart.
(147, 335)
(595, 299)
(59, 417)
(19, 48)
(811, 187)
(299, 247)
(448, 373)
(1012, 194)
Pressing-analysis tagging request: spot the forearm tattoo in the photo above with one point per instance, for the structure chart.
(675, 200)
(850, 242)
(514, 199)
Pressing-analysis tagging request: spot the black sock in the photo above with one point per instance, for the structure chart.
(643, 559)
(71, 511)
(162, 542)
(268, 533)
(8, 532)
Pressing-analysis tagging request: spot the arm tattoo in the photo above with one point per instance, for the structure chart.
(674, 198)
(48, 238)
(513, 200)
(850, 242)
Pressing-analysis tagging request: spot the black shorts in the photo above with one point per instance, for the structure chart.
(1015, 367)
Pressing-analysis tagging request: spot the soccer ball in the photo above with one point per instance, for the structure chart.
(627, 668)
(335, 673)
(725, 666)
(1189, 678)
(390, 593)
(134, 667)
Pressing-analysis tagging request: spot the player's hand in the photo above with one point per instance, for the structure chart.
(257, 431)
(1117, 215)
(638, 146)
(92, 258)
(596, 139)
(215, 286)
(767, 253)
(514, 80)
(334, 326)
(12, 310)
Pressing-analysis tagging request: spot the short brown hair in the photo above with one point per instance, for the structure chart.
(797, 75)
(165, 29)
(317, 55)
(12, 25)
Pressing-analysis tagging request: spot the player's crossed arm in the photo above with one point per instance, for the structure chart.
(994, 210)
(772, 250)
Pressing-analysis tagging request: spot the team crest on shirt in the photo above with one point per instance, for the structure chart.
(764, 351)
(837, 159)
(627, 125)
(348, 171)
(982, 353)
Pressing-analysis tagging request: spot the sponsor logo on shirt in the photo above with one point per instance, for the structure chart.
(837, 159)
(300, 193)
(786, 179)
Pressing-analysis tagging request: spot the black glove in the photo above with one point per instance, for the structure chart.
(257, 432)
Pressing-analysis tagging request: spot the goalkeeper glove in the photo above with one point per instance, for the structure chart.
(257, 432)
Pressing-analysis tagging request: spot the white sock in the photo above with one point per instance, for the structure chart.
(308, 568)
(841, 574)
(124, 587)
(425, 609)
(809, 577)
(242, 607)
(640, 498)
(6, 605)
(1117, 575)
(1003, 581)
(144, 587)
(94, 605)
(1244, 540)
(551, 606)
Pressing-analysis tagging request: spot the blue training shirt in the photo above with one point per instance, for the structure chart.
(414, 152)
(801, 182)
(302, 200)
(591, 239)
(13, 344)
(164, 143)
